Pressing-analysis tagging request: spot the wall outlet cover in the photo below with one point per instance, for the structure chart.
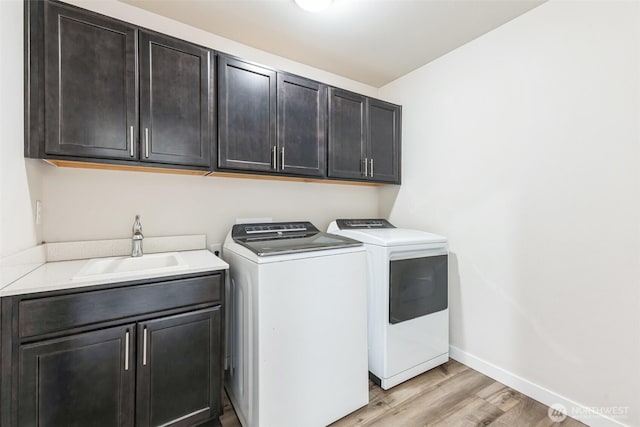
(216, 248)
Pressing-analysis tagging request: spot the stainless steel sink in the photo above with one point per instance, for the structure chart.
(122, 267)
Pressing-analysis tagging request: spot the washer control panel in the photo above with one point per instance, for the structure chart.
(359, 224)
(273, 230)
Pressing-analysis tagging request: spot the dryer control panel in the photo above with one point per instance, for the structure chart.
(359, 224)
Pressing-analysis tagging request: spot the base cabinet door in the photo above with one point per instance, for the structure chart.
(179, 366)
(77, 381)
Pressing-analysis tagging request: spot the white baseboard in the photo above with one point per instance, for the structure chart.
(535, 391)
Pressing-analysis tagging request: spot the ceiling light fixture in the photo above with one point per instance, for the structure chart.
(314, 5)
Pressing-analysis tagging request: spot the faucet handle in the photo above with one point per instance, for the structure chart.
(137, 226)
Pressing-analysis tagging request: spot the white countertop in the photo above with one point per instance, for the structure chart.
(53, 276)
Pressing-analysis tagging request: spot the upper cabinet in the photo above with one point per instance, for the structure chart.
(246, 116)
(87, 99)
(347, 133)
(100, 90)
(176, 101)
(383, 141)
(302, 122)
(364, 138)
(269, 121)
(90, 85)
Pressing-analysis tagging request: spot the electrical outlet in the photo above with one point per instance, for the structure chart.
(216, 248)
(38, 212)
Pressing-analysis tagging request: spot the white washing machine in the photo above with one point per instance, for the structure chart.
(298, 325)
(407, 296)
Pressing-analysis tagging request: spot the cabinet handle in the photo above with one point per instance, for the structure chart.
(146, 142)
(274, 157)
(282, 159)
(371, 171)
(126, 351)
(131, 141)
(144, 347)
(366, 164)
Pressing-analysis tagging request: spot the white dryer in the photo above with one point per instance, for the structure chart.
(407, 295)
(297, 326)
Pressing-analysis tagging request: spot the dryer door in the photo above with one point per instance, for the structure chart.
(417, 285)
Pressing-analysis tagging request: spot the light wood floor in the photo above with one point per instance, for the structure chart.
(450, 395)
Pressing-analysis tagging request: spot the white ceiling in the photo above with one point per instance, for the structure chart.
(370, 41)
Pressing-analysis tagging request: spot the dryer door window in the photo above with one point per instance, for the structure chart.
(417, 287)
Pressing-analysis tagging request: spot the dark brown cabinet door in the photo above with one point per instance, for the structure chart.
(302, 135)
(364, 138)
(246, 116)
(90, 85)
(383, 141)
(346, 134)
(176, 97)
(179, 368)
(77, 381)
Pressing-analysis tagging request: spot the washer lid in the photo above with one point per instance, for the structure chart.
(278, 238)
(393, 236)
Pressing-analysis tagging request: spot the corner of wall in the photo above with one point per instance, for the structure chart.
(19, 181)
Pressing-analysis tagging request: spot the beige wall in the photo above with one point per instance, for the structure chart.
(83, 204)
(164, 25)
(19, 180)
(88, 204)
(523, 147)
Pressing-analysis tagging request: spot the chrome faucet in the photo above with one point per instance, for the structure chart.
(136, 238)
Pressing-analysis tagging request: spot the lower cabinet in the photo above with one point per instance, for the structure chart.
(178, 380)
(160, 366)
(82, 380)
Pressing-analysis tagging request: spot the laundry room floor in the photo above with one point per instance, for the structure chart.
(449, 395)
